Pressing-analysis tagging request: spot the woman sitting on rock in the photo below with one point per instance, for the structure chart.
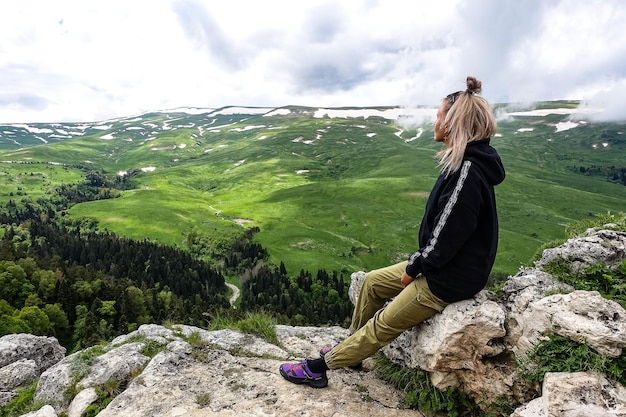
(458, 239)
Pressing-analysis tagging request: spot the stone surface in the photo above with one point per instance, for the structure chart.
(226, 373)
(579, 315)
(23, 357)
(356, 282)
(18, 374)
(211, 381)
(530, 285)
(605, 246)
(582, 394)
(118, 364)
(55, 380)
(45, 411)
(578, 394)
(534, 408)
(454, 346)
(81, 401)
(6, 397)
(45, 351)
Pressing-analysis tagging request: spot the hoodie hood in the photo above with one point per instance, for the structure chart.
(481, 153)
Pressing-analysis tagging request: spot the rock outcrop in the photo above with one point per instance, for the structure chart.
(577, 394)
(200, 373)
(23, 357)
(472, 345)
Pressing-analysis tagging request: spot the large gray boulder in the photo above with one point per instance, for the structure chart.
(454, 346)
(23, 357)
(18, 374)
(55, 381)
(44, 351)
(579, 315)
(578, 394)
(45, 411)
(118, 363)
(606, 246)
(81, 401)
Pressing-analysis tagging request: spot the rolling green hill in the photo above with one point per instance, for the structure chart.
(326, 190)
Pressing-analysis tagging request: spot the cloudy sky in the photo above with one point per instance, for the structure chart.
(92, 60)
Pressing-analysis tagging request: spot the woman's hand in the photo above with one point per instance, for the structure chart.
(406, 279)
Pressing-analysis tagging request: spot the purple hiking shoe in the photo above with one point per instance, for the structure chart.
(299, 373)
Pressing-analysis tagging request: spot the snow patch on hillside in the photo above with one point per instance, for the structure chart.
(604, 145)
(395, 113)
(32, 129)
(300, 139)
(242, 110)
(557, 111)
(188, 110)
(419, 133)
(278, 112)
(243, 129)
(560, 127)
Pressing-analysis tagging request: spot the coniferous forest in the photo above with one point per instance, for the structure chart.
(84, 285)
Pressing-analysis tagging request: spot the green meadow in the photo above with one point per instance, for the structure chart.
(331, 193)
(34, 180)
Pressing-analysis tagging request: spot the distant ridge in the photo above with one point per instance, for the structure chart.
(28, 134)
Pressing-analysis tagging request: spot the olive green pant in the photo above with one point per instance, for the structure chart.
(374, 326)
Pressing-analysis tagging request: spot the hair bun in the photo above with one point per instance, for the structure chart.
(474, 86)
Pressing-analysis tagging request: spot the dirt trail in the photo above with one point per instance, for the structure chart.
(235, 295)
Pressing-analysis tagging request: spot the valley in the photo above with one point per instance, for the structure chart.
(338, 189)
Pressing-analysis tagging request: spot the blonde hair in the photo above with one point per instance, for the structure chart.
(468, 117)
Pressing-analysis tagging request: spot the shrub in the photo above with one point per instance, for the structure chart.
(421, 394)
(561, 354)
(611, 221)
(260, 324)
(21, 404)
(610, 282)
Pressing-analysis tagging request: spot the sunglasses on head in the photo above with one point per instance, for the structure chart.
(452, 97)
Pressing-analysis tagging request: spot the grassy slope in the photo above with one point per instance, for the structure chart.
(358, 204)
(36, 180)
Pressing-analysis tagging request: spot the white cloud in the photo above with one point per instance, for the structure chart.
(74, 60)
(611, 99)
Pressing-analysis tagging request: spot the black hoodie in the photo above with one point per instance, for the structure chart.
(458, 237)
